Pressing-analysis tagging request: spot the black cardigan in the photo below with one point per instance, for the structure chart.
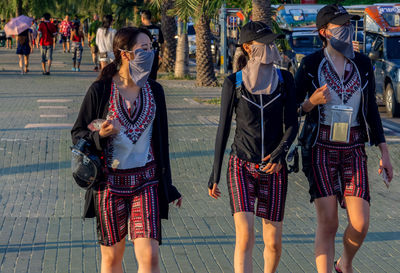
(95, 106)
(307, 82)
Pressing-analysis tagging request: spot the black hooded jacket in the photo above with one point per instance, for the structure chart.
(280, 123)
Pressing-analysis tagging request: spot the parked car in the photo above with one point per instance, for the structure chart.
(382, 44)
(301, 43)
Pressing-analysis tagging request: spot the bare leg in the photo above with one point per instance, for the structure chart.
(327, 214)
(103, 64)
(26, 58)
(21, 63)
(146, 251)
(354, 235)
(244, 226)
(111, 257)
(44, 67)
(48, 65)
(272, 234)
(68, 46)
(63, 46)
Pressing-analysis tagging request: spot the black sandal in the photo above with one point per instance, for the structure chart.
(337, 269)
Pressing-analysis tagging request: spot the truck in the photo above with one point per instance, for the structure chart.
(382, 45)
(297, 22)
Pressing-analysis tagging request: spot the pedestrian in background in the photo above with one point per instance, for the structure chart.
(263, 100)
(77, 38)
(9, 42)
(65, 30)
(94, 49)
(341, 115)
(24, 49)
(47, 32)
(104, 40)
(137, 186)
(158, 40)
(34, 31)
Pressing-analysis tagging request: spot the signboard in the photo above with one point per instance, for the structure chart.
(308, 1)
(385, 17)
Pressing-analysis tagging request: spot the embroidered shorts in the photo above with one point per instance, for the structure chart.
(339, 169)
(126, 210)
(246, 184)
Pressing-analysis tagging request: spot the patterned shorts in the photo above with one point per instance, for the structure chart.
(133, 212)
(246, 184)
(339, 169)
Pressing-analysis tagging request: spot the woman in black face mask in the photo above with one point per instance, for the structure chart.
(341, 115)
(124, 117)
(266, 124)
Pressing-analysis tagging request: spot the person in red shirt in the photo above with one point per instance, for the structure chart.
(47, 31)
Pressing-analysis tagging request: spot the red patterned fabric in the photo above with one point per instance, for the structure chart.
(136, 215)
(246, 184)
(339, 169)
(65, 28)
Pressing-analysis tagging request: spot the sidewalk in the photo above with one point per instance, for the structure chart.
(41, 229)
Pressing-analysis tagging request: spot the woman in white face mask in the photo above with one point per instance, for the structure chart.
(129, 112)
(341, 115)
(266, 124)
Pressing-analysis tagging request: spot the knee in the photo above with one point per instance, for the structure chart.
(274, 246)
(111, 259)
(328, 227)
(245, 240)
(149, 257)
(361, 227)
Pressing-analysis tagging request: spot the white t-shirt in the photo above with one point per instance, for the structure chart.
(105, 42)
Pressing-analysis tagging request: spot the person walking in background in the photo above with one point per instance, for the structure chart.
(24, 48)
(47, 31)
(335, 87)
(137, 187)
(158, 40)
(9, 40)
(65, 30)
(263, 99)
(77, 38)
(34, 31)
(104, 40)
(94, 26)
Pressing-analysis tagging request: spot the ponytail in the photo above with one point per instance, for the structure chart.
(242, 60)
(108, 72)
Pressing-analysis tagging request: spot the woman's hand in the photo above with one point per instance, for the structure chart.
(214, 192)
(320, 96)
(109, 128)
(384, 163)
(271, 168)
(179, 202)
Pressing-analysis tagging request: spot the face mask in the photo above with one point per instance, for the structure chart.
(265, 54)
(341, 40)
(140, 66)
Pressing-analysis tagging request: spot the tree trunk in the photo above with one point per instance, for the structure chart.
(182, 52)
(168, 28)
(262, 11)
(204, 63)
(18, 11)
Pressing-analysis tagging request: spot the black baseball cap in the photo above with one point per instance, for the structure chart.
(334, 14)
(257, 31)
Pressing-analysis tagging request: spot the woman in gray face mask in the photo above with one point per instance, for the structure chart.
(341, 115)
(124, 117)
(266, 124)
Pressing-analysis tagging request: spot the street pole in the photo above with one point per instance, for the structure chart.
(223, 37)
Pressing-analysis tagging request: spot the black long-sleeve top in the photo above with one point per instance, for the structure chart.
(95, 106)
(280, 123)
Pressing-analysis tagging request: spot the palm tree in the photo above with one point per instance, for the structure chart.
(262, 11)
(204, 11)
(183, 9)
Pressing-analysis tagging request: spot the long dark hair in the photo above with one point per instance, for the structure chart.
(124, 39)
(322, 38)
(242, 60)
(107, 21)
